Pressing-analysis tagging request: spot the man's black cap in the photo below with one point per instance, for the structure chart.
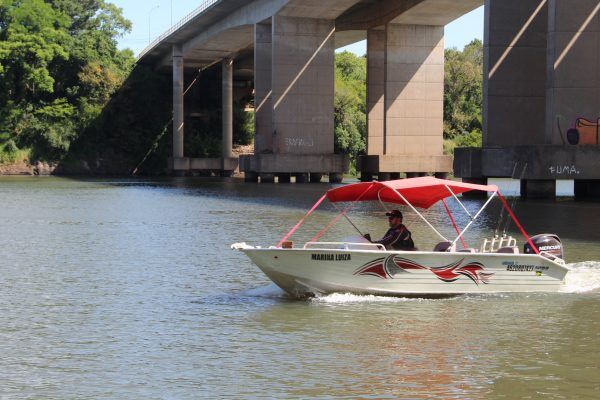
(394, 213)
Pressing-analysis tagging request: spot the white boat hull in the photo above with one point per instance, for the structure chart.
(307, 272)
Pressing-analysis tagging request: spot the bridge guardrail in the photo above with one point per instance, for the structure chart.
(199, 10)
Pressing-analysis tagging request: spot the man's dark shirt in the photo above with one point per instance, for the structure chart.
(398, 238)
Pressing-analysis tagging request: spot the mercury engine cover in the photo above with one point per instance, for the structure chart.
(546, 243)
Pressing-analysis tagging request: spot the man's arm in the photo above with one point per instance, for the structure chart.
(391, 237)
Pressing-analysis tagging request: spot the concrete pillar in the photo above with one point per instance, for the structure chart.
(366, 176)
(227, 108)
(475, 194)
(542, 189)
(284, 178)
(573, 65)
(303, 85)
(376, 45)
(178, 111)
(302, 178)
(587, 189)
(267, 178)
(414, 90)
(316, 178)
(263, 117)
(336, 178)
(384, 176)
(515, 72)
(251, 177)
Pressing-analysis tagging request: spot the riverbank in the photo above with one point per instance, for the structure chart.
(23, 168)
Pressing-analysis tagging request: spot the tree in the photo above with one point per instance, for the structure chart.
(463, 91)
(350, 104)
(59, 66)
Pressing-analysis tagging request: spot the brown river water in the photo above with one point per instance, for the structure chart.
(127, 289)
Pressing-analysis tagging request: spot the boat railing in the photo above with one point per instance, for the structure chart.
(344, 246)
(497, 243)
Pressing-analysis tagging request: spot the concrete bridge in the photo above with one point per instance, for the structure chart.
(541, 72)
(291, 46)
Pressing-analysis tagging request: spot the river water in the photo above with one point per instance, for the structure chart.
(128, 289)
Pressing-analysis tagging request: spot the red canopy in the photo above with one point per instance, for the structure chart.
(419, 192)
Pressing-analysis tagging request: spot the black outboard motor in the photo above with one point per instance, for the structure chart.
(548, 244)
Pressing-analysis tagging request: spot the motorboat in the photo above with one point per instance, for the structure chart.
(451, 268)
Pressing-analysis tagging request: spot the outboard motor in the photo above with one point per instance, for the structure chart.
(548, 244)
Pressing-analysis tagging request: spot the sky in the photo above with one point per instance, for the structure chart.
(150, 19)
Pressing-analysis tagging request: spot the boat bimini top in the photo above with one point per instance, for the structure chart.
(415, 193)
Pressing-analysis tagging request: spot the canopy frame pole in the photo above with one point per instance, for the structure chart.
(381, 201)
(516, 221)
(295, 228)
(474, 218)
(459, 202)
(454, 223)
(417, 212)
(343, 212)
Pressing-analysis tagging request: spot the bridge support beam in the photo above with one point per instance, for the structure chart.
(405, 100)
(376, 53)
(227, 150)
(178, 104)
(541, 72)
(294, 64)
(263, 88)
(573, 65)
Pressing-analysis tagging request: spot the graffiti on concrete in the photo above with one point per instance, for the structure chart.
(299, 142)
(564, 170)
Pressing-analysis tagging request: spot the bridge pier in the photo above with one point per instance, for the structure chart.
(263, 93)
(178, 110)
(227, 141)
(541, 73)
(405, 93)
(294, 81)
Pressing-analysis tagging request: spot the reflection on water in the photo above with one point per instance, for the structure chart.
(120, 289)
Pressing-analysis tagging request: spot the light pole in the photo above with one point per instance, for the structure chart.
(149, 17)
(171, 12)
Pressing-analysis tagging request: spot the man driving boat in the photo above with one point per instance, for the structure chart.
(398, 237)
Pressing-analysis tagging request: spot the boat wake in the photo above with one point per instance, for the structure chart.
(347, 298)
(583, 277)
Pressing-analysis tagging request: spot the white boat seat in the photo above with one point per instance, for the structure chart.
(442, 247)
(508, 250)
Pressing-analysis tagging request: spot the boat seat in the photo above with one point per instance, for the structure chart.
(442, 247)
(508, 250)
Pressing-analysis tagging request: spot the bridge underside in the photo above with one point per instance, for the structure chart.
(293, 44)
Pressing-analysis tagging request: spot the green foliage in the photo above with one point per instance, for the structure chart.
(471, 139)
(463, 91)
(59, 67)
(350, 104)
(243, 125)
(10, 153)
